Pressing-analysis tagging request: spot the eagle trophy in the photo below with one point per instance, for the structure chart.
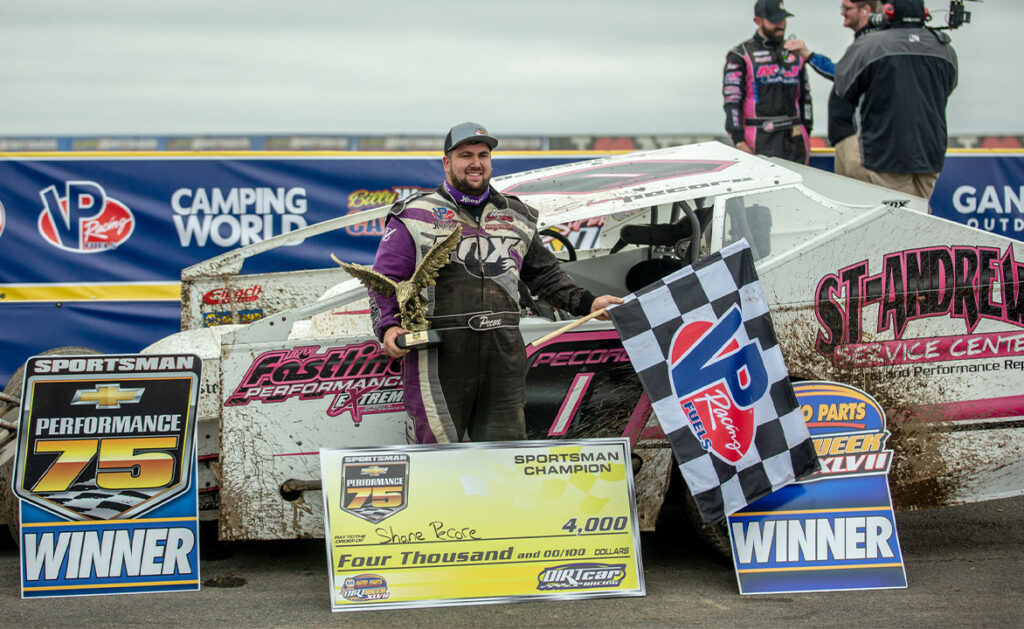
(412, 305)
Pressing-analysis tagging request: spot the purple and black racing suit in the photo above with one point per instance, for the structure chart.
(767, 99)
(474, 383)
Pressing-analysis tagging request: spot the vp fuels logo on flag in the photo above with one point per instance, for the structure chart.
(718, 375)
(85, 219)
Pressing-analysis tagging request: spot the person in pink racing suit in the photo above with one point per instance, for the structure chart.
(766, 91)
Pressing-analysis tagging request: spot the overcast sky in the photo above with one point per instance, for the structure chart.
(77, 67)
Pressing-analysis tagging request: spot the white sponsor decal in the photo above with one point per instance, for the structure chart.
(236, 216)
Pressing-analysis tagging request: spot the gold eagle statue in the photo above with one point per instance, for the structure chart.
(412, 305)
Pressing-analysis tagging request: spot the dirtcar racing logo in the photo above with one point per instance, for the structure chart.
(581, 576)
(361, 379)
(961, 282)
(374, 487)
(234, 217)
(85, 219)
(365, 587)
(718, 377)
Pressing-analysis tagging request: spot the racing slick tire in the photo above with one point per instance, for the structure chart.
(679, 512)
(9, 513)
(8, 501)
(17, 381)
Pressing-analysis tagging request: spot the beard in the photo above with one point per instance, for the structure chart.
(462, 185)
(776, 34)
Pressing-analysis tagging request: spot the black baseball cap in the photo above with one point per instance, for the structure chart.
(772, 10)
(468, 132)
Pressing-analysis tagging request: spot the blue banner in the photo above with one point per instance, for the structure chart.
(983, 191)
(834, 530)
(75, 219)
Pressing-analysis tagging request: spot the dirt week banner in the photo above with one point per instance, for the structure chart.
(93, 246)
(834, 530)
(411, 526)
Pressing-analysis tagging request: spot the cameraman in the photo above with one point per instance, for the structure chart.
(900, 78)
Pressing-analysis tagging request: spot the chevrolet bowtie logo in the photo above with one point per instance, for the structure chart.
(374, 470)
(107, 396)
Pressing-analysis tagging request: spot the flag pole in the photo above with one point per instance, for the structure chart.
(562, 330)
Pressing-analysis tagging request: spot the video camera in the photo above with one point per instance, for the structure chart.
(958, 16)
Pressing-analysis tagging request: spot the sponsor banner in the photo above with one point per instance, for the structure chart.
(961, 282)
(142, 218)
(983, 191)
(412, 526)
(105, 471)
(834, 530)
(29, 328)
(145, 219)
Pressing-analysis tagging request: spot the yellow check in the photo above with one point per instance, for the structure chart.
(414, 526)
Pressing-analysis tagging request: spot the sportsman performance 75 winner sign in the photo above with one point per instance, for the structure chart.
(419, 525)
(105, 473)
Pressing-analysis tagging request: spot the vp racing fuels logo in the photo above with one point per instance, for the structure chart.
(360, 378)
(581, 576)
(85, 219)
(374, 487)
(718, 376)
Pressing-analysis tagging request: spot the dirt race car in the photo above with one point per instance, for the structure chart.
(865, 288)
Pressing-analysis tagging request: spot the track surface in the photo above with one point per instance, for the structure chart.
(965, 566)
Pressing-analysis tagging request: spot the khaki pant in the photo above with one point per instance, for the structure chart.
(848, 159)
(917, 184)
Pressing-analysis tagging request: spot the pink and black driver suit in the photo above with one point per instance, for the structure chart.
(474, 382)
(767, 99)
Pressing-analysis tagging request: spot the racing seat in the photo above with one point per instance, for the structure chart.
(677, 235)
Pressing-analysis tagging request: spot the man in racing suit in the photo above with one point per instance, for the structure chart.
(766, 92)
(474, 383)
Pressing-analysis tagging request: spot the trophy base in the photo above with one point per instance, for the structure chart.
(418, 340)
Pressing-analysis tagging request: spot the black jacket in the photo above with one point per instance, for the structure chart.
(900, 79)
(840, 111)
(767, 99)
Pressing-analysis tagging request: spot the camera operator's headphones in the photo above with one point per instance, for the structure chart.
(889, 11)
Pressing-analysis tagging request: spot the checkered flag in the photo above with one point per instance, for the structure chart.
(703, 343)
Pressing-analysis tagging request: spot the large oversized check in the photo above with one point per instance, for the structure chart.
(411, 526)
